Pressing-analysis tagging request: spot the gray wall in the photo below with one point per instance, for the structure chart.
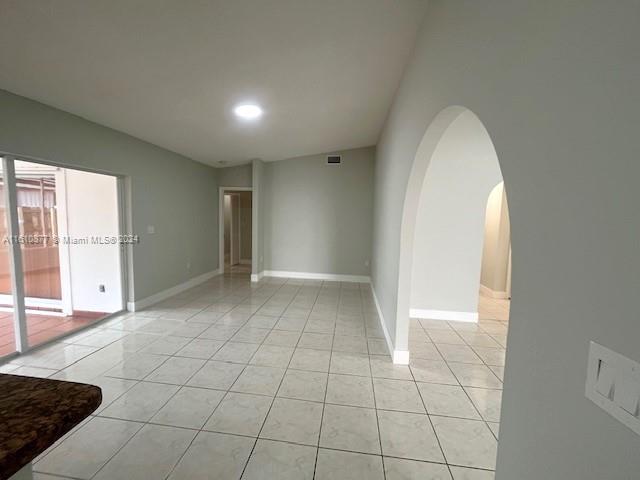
(258, 214)
(556, 85)
(176, 195)
(240, 176)
(318, 216)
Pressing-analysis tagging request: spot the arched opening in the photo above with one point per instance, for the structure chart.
(454, 171)
(454, 280)
(450, 223)
(495, 277)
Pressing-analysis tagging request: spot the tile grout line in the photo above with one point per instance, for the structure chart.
(315, 465)
(244, 324)
(464, 388)
(143, 424)
(226, 393)
(375, 406)
(255, 443)
(433, 428)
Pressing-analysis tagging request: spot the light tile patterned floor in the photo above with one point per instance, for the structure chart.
(286, 379)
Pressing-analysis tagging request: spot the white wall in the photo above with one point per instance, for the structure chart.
(92, 211)
(449, 231)
(318, 216)
(556, 86)
(497, 241)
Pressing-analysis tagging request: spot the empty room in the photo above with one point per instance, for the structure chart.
(319, 240)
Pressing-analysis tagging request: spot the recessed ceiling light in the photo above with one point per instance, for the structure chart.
(248, 111)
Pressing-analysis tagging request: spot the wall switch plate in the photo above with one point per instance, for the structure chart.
(605, 380)
(151, 229)
(613, 383)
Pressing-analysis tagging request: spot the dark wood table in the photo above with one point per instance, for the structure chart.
(35, 413)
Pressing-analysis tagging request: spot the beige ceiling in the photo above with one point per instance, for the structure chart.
(170, 71)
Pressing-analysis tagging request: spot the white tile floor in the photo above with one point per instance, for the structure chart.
(287, 379)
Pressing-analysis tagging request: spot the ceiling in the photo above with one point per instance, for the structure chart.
(170, 71)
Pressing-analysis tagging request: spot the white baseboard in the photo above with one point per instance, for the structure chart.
(486, 291)
(170, 292)
(400, 357)
(335, 277)
(448, 315)
(256, 277)
(245, 261)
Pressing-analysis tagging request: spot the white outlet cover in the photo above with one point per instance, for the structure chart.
(613, 383)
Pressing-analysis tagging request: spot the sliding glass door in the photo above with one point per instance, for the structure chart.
(66, 244)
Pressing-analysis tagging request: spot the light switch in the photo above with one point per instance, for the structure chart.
(627, 395)
(151, 229)
(606, 380)
(613, 384)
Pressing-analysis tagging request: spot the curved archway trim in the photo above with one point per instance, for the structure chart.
(417, 182)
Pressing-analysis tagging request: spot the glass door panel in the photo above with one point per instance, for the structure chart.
(36, 199)
(67, 247)
(71, 276)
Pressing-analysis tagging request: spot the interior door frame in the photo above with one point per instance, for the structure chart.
(221, 193)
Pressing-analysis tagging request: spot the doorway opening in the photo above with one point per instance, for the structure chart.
(455, 276)
(495, 282)
(61, 254)
(236, 230)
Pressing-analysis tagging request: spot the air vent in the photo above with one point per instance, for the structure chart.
(334, 159)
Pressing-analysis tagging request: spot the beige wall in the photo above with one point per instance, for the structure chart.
(237, 204)
(227, 228)
(245, 225)
(497, 243)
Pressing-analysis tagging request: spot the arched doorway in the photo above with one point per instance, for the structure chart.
(454, 171)
(449, 211)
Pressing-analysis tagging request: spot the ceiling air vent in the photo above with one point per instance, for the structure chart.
(334, 159)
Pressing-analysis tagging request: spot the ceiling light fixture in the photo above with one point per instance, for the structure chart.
(248, 111)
